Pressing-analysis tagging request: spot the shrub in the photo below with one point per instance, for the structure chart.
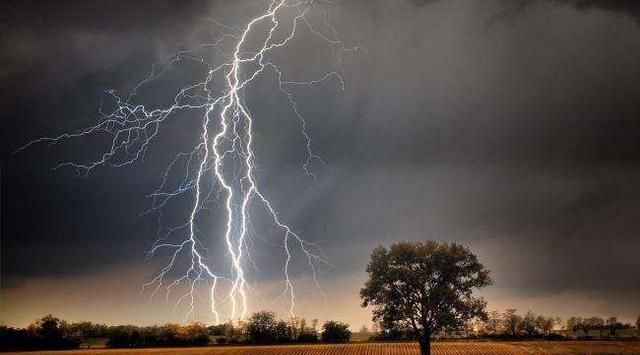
(334, 332)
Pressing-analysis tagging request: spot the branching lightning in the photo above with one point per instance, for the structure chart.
(223, 161)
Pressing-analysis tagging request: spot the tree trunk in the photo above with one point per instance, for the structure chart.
(425, 344)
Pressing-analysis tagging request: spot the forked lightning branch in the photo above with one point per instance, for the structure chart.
(222, 161)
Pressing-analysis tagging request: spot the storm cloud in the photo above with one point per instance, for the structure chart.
(508, 126)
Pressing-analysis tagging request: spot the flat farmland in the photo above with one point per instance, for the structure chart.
(441, 348)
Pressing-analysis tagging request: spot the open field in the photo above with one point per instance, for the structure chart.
(442, 348)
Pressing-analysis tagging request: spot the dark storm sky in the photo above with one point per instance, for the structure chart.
(510, 126)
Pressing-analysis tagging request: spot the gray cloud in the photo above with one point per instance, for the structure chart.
(516, 134)
(629, 7)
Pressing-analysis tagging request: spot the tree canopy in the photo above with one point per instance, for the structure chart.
(334, 332)
(426, 286)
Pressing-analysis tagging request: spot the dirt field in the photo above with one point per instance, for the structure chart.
(445, 348)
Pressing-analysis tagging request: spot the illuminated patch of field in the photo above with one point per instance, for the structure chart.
(440, 348)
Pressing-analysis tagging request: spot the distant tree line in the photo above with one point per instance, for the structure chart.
(264, 328)
(611, 326)
(167, 335)
(47, 332)
(260, 328)
(512, 325)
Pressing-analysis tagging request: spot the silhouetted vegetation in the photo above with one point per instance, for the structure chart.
(335, 332)
(168, 335)
(426, 287)
(47, 332)
(511, 325)
(260, 328)
(423, 291)
(264, 328)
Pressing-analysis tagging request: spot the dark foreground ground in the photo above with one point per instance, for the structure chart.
(444, 348)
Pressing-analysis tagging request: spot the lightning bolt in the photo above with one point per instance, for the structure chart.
(223, 161)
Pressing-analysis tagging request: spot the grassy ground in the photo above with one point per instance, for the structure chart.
(444, 348)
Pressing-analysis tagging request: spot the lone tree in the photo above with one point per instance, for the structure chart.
(424, 286)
